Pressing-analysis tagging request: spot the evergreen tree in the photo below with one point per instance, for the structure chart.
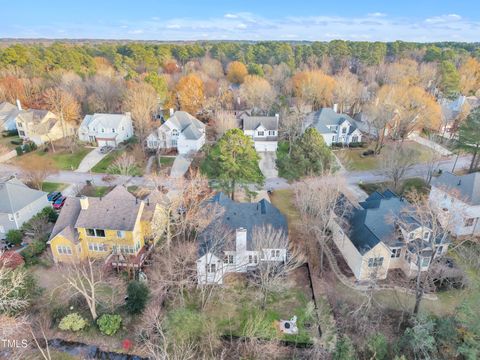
(469, 137)
(233, 161)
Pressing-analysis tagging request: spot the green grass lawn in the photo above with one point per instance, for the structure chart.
(95, 191)
(103, 166)
(166, 161)
(353, 161)
(408, 185)
(6, 141)
(61, 159)
(53, 186)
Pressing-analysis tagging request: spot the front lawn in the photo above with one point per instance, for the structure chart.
(407, 185)
(95, 191)
(62, 159)
(353, 160)
(53, 186)
(7, 141)
(103, 167)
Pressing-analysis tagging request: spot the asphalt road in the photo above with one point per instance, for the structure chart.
(352, 177)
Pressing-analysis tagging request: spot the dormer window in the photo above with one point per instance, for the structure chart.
(426, 235)
(260, 133)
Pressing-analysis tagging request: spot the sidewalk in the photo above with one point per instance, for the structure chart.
(430, 144)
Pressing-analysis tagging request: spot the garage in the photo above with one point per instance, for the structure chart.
(106, 142)
(268, 146)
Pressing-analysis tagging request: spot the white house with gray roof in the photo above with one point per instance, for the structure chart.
(262, 129)
(334, 127)
(181, 132)
(18, 204)
(228, 244)
(459, 196)
(106, 129)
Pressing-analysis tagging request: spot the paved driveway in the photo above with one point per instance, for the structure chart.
(267, 164)
(180, 166)
(89, 161)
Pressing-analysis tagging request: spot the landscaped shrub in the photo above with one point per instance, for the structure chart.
(14, 236)
(19, 150)
(31, 252)
(72, 322)
(109, 323)
(138, 294)
(16, 142)
(50, 214)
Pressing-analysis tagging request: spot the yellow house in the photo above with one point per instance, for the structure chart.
(108, 227)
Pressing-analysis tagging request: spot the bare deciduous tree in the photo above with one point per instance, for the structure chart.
(347, 91)
(270, 274)
(319, 201)
(36, 171)
(64, 105)
(123, 165)
(12, 284)
(396, 163)
(291, 126)
(224, 121)
(106, 94)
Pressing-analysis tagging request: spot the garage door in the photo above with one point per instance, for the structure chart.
(106, 143)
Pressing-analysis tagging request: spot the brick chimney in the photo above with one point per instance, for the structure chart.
(335, 108)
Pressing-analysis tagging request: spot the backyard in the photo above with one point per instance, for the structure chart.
(353, 160)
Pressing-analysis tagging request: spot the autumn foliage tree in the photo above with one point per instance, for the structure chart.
(314, 87)
(236, 72)
(470, 77)
(257, 92)
(190, 93)
(64, 105)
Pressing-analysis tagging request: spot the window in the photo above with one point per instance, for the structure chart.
(174, 132)
(228, 259)
(355, 138)
(344, 130)
(113, 130)
(19, 125)
(375, 262)
(396, 253)
(250, 259)
(469, 222)
(174, 142)
(271, 132)
(260, 133)
(103, 130)
(411, 235)
(424, 261)
(120, 234)
(97, 247)
(211, 268)
(96, 232)
(439, 250)
(21, 133)
(255, 259)
(272, 253)
(277, 253)
(426, 235)
(64, 250)
(123, 128)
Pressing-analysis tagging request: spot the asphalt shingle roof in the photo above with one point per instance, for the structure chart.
(253, 122)
(104, 120)
(190, 126)
(241, 215)
(465, 187)
(14, 195)
(325, 117)
(7, 112)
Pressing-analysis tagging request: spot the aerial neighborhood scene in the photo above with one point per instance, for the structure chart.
(253, 180)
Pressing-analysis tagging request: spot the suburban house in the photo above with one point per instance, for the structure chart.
(451, 109)
(42, 126)
(262, 129)
(228, 245)
(108, 227)
(181, 132)
(458, 196)
(8, 115)
(334, 127)
(106, 129)
(18, 204)
(374, 242)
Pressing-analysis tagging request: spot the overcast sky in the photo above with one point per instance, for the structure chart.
(383, 20)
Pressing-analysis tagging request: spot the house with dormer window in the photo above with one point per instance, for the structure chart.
(334, 127)
(106, 129)
(373, 243)
(262, 129)
(228, 246)
(181, 132)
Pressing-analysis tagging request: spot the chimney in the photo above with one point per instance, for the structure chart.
(84, 202)
(19, 105)
(335, 108)
(171, 111)
(129, 114)
(241, 240)
(277, 116)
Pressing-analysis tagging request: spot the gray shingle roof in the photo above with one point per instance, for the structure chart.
(325, 117)
(241, 215)
(106, 120)
(7, 111)
(253, 122)
(190, 126)
(65, 224)
(118, 210)
(374, 222)
(465, 187)
(14, 195)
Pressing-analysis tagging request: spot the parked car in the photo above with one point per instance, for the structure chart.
(58, 204)
(54, 195)
(105, 149)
